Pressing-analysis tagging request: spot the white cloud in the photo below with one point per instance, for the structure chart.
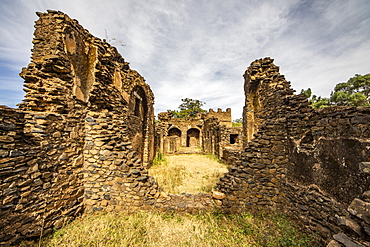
(200, 49)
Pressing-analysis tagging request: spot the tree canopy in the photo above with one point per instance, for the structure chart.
(189, 108)
(354, 92)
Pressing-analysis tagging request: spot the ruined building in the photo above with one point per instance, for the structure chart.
(84, 136)
(211, 131)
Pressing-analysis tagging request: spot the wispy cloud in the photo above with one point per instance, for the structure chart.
(200, 49)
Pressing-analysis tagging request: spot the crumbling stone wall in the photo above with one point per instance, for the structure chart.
(313, 163)
(221, 140)
(80, 140)
(41, 173)
(328, 177)
(224, 117)
(256, 178)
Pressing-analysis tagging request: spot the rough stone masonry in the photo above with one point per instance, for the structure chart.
(83, 139)
(314, 163)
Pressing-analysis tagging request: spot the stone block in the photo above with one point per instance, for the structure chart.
(365, 167)
(16, 153)
(218, 195)
(346, 241)
(360, 209)
(366, 196)
(3, 153)
(350, 224)
(257, 166)
(8, 139)
(334, 243)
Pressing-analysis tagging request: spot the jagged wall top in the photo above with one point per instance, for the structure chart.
(265, 90)
(67, 58)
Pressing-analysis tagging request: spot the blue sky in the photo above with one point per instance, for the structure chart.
(200, 49)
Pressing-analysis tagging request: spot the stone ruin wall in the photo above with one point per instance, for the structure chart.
(80, 140)
(221, 140)
(223, 116)
(176, 134)
(313, 163)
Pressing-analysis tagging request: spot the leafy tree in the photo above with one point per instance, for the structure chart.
(239, 120)
(319, 102)
(189, 108)
(354, 92)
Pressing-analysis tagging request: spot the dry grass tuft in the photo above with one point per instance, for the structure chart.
(160, 229)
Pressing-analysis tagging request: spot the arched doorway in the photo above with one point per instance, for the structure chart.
(192, 137)
(173, 140)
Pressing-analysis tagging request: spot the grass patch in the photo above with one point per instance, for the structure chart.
(168, 177)
(187, 173)
(155, 229)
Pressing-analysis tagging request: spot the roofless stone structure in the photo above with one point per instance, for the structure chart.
(84, 136)
(175, 133)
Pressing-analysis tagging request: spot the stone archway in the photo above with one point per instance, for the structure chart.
(173, 140)
(192, 137)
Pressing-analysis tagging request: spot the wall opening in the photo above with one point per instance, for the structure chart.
(192, 138)
(139, 123)
(234, 138)
(174, 140)
(252, 107)
(138, 106)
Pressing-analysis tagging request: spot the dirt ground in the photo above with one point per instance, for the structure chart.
(188, 173)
